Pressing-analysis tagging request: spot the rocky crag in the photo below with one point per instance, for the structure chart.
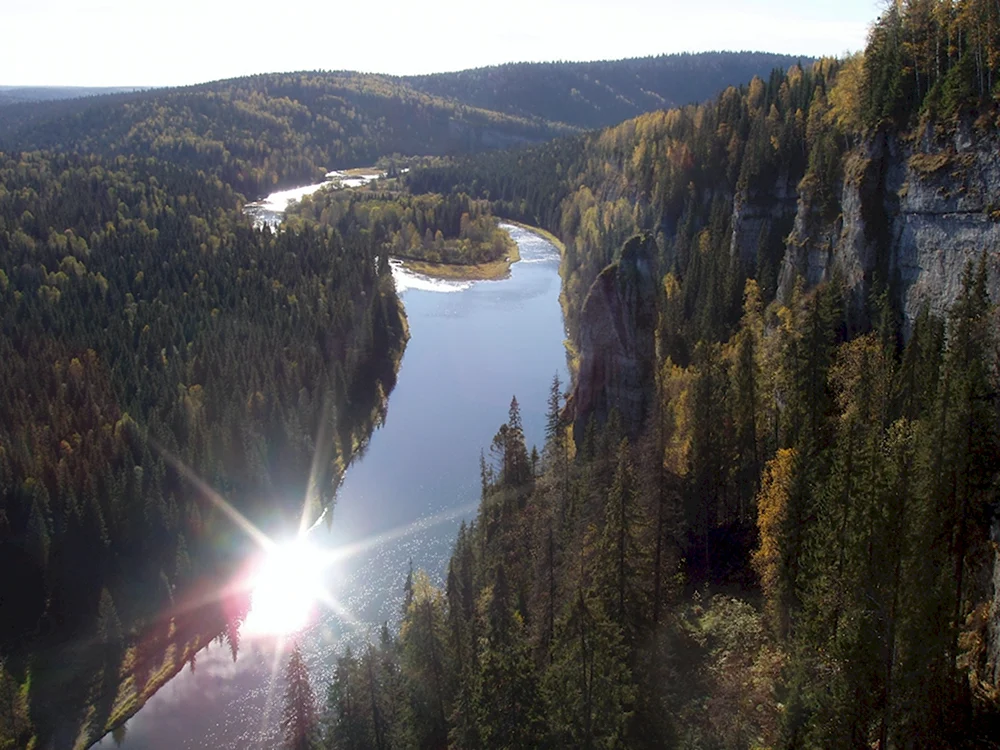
(617, 342)
(914, 213)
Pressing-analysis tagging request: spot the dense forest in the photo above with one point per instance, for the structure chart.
(783, 558)
(269, 131)
(794, 544)
(20, 94)
(263, 132)
(448, 229)
(141, 316)
(765, 515)
(686, 174)
(599, 94)
(151, 336)
(675, 173)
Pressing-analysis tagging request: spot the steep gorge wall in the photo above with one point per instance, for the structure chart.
(618, 342)
(913, 215)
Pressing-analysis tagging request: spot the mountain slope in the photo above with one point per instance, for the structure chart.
(265, 131)
(601, 93)
(275, 130)
(18, 94)
(801, 527)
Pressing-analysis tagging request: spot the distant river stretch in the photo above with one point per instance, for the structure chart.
(472, 346)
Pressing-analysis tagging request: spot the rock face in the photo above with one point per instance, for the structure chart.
(618, 342)
(759, 217)
(948, 215)
(913, 214)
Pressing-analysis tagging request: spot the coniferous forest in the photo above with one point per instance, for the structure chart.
(767, 508)
(155, 337)
(792, 544)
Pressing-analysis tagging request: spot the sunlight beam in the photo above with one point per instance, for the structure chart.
(279, 650)
(220, 502)
(363, 545)
(320, 456)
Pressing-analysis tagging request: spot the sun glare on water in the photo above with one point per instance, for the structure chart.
(286, 589)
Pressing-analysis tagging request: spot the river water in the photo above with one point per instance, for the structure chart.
(472, 346)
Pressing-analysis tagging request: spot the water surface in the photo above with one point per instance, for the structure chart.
(472, 346)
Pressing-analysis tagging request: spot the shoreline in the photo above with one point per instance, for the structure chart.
(493, 271)
(572, 354)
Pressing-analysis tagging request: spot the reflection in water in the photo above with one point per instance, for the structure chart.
(469, 352)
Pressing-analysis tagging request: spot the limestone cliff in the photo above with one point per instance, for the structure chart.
(617, 342)
(913, 214)
(761, 217)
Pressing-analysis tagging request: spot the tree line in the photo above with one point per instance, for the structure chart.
(261, 133)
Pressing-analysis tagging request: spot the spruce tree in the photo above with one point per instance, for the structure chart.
(298, 717)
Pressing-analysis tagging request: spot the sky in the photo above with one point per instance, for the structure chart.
(164, 43)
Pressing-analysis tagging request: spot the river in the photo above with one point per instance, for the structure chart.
(472, 346)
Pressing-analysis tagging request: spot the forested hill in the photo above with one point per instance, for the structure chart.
(268, 131)
(601, 93)
(14, 94)
(153, 342)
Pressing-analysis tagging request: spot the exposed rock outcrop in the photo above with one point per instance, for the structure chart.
(914, 214)
(948, 215)
(762, 218)
(618, 342)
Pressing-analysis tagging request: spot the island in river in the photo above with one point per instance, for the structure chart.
(444, 236)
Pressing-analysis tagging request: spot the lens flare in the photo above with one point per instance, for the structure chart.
(286, 588)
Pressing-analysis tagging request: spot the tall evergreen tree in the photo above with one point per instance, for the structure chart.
(298, 717)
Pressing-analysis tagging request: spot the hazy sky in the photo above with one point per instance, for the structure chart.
(140, 42)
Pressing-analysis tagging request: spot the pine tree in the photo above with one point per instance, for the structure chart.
(507, 705)
(342, 726)
(553, 413)
(707, 501)
(745, 389)
(109, 627)
(588, 688)
(968, 445)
